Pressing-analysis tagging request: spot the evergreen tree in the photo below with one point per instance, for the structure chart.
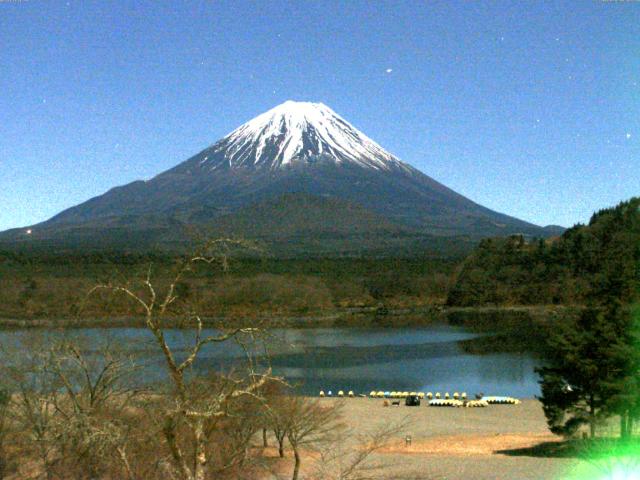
(577, 383)
(625, 374)
(595, 368)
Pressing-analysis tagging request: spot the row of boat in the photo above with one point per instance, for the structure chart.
(436, 400)
(483, 402)
(420, 395)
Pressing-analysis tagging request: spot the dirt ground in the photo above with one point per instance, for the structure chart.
(496, 442)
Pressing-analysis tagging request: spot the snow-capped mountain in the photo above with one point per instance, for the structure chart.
(298, 132)
(297, 170)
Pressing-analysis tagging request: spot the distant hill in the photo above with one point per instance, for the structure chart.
(588, 261)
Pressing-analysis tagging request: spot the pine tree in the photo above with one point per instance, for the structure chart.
(595, 369)
(577, 383)
(625, 375)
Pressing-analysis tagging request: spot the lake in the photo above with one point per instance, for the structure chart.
(408, 359)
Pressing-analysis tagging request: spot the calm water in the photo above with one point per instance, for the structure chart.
(414, 359)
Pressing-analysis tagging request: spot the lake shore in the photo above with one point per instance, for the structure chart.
(365, 317)
(498, 441)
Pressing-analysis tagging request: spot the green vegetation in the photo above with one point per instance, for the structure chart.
(593, 372)
(594, 362)
(599, 260)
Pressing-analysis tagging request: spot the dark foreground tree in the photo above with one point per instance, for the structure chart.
(576, 383)
(625, 382)
(593, 372)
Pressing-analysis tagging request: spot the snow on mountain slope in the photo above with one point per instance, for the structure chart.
(295, 132)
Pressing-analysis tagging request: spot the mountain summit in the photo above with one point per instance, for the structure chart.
(297, 171)
(297, 132)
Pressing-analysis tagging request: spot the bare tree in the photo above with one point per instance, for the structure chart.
(236, 431)
(190, 409)
(277, 412)
(349, 458)
(95, 390)
(67, 405)
(33, 391)
(270, 393)
(309, 425)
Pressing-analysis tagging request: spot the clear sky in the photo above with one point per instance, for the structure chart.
(530, 108)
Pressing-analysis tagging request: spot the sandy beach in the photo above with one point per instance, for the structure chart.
(452, 443)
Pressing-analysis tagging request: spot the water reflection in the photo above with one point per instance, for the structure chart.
(413, 359)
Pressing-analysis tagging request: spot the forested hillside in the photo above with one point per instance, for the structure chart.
(54, 286)
(595, 260)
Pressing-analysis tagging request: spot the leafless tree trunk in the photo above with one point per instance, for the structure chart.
(298, 461)
(280, 434)
(309, 424)
(122, 453)
(276, 413)
(193, 411)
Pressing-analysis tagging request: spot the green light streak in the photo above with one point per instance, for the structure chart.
(608, 460)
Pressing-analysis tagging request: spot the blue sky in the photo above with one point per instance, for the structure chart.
(529, 108)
